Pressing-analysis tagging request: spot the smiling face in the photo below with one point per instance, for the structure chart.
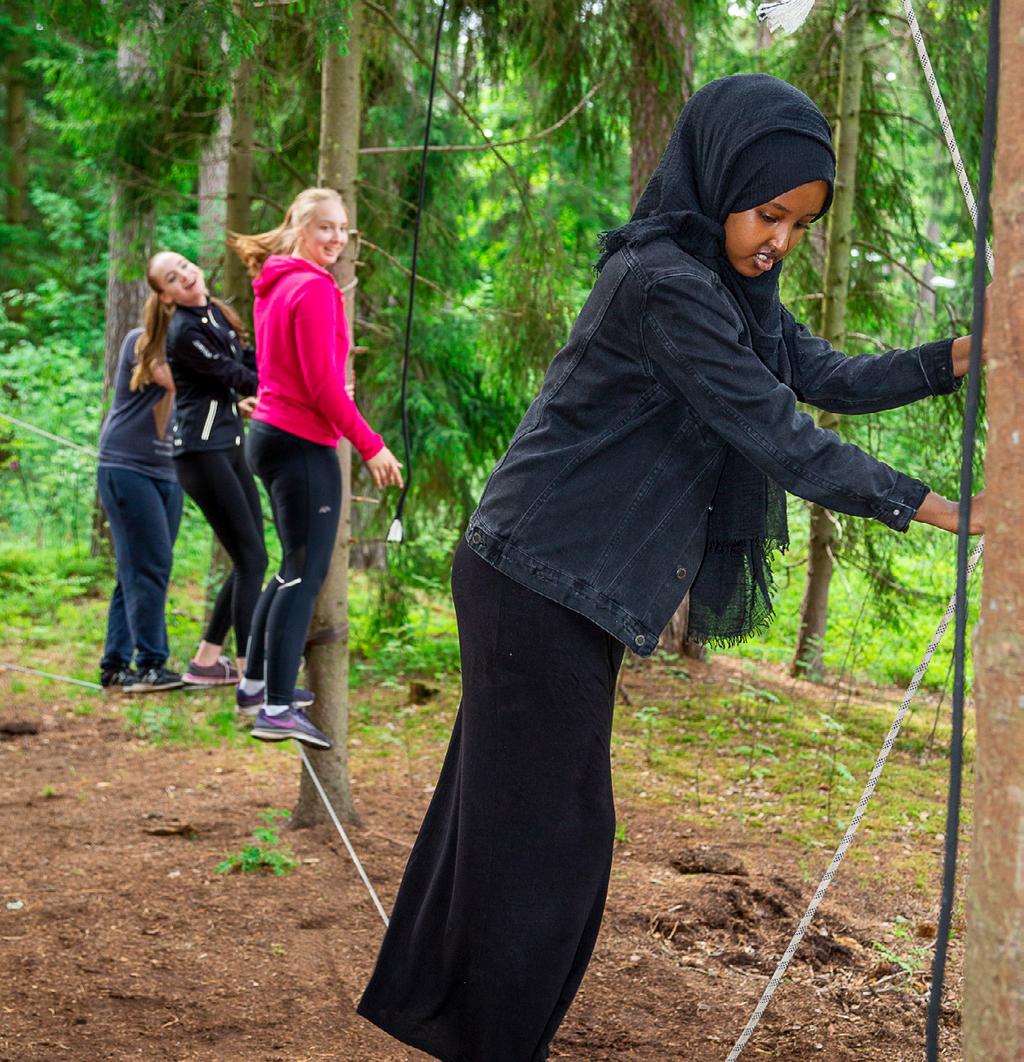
(178, 280)
(758, 238)
(322, 239)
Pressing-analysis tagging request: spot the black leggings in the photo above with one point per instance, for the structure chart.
(220, 483)
(303, 480)
(503, 894)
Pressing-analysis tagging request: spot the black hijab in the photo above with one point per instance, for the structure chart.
(739, 142)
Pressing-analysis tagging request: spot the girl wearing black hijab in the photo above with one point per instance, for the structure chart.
(654, 461)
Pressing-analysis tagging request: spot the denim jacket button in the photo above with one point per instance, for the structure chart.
(639, 640)
(680, 573)
(476, 538)
(895, 512)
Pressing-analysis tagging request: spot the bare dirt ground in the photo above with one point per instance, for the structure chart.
(118, 942)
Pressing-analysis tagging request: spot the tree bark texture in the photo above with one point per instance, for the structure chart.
(660, 78)
(213, 186)
(993, 1013)
(213, 189)
(17, 138)
(16, 206)
(236, 285)
(129, 246)
(661, 74)
(327, 659)
(809, 654)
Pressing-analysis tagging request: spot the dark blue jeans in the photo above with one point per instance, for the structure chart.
(144, 514)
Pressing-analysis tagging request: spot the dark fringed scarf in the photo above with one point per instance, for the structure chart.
(738, 143)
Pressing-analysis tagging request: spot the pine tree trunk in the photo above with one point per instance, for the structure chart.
(236, 285)
(213, 189)
(327, 659)
(658, 85)
(213, 186)
(16, 206)
(655, 101)
(993, 1007)
(17, 141)
(808, 657)
(129, 247)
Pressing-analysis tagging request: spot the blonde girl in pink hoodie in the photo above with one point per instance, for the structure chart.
(303, 410)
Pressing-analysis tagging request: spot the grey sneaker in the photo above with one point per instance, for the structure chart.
(153, 679)
(222, 673)
(115, 679)
(251, 703)
(290, 724)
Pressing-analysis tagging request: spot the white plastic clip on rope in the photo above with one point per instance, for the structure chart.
(786, 15)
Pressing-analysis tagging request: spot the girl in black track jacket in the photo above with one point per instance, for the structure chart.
(214, 386)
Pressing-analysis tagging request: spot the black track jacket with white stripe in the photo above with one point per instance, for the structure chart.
(206, 359)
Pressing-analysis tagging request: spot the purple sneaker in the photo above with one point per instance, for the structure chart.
(220, 674)
(251, 703)
(290, 724)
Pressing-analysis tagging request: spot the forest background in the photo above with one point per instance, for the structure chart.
(132, 127)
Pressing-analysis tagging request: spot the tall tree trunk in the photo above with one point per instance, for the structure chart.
(808, 658)
(327, 659)
(128, 249)
(213, 185)
(17, 140)
(213, 188)
(661, 73)
(993, 1015)
(236, 286)
(16, 206)
(660, 77)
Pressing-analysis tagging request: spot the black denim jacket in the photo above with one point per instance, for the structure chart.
(601, 500)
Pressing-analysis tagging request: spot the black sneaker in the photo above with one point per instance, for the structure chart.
(115, 679)
(153, 679)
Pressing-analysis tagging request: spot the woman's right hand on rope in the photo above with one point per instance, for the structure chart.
(385, 469)
(941, 512)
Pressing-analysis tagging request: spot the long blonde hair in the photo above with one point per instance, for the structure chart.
(255, 249)
(151, 346)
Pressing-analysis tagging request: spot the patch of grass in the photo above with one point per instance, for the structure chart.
(174, 721)
(268, 854)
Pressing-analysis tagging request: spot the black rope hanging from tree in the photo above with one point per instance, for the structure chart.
(396, 533)
(966, 488)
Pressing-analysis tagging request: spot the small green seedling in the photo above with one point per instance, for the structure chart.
(269, 854)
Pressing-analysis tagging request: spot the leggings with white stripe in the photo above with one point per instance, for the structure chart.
(303, 480)
(220, 483)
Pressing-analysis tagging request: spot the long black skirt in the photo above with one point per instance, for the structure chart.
(502, 898)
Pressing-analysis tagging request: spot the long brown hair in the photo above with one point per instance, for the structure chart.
(255, 249)
(151, 346)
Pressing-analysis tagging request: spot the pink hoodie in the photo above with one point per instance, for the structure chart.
(302, 342)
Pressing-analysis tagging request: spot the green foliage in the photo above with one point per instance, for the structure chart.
(268, 854)
(171, 720)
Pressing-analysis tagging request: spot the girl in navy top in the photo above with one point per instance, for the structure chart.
(142, 500)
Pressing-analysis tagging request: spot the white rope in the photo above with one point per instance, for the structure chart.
(49, 435)
(47, 674)
(344, 836)
(858, 814)
(947, 128)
